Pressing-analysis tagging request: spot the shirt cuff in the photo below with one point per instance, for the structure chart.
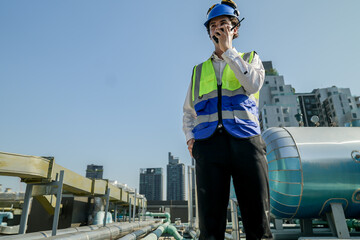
(230, 54)
(189, 136)
(232, 57)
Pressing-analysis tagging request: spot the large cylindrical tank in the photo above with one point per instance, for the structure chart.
(309, 168)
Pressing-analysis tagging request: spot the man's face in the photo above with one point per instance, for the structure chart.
(218, 23)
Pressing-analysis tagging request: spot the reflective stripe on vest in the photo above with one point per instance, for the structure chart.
(239, 110)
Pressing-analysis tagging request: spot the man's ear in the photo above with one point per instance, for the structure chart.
(235, 31)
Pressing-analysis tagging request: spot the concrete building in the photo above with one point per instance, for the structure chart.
(175, 179)
(310, 106)
(339, 107)
(94, 171)
(278, 103)
(151, 183)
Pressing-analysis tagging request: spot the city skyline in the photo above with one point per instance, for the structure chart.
(89, 82)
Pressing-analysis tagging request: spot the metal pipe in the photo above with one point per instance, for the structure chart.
(8, 215)
(190, 198)
(107, 195)
(193, 234)
(134, 210)
(173, 231)
(58, 201)
(235, 220)
(94, 232)
(196, 201)
(115, 213)
(165, 214)
(353, 223)
(228, 236)
(130, 210)
(138, 233)
(25, 209)
(157, 233)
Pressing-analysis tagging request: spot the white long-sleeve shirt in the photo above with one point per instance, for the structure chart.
(252, 82)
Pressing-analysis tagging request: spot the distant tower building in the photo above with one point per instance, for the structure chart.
(94, 171)
(151, 183)
(175, 179)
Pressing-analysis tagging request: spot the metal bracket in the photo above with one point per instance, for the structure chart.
(58, 184)
(51, 167)
(306, 226)
(107, 196)
(278, 223)
(234, 219)
(337, 221)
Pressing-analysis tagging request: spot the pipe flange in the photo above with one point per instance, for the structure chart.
(356, 196)
(356, 156)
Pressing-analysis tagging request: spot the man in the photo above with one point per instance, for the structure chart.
(223, 133)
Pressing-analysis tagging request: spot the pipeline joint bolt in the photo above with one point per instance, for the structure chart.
(356, 156)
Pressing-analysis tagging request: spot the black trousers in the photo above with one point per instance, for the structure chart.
(217, 159)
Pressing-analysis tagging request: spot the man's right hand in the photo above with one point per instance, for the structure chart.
(190, 144)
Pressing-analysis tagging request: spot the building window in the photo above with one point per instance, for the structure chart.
(279, 119)
(286, 119)
(342, 105)
(285, 110)
(351, 107)
(354, 115)
(277, 110)
(273, 88)
(340, 98)
(343, 112)
(281, 88)
(277, 100)
(264, 111)
(329, 94)
(349, 100)
(266, 120)
(266, 82)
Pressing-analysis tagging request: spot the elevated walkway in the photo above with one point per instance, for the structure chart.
(33, 169)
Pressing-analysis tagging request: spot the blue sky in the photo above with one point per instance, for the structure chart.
(104, 82)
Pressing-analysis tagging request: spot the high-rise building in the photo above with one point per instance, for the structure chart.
(175, 179)
(151, 183)
(339, 107)
(278, 103)
(280, 106)
(94, 171)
